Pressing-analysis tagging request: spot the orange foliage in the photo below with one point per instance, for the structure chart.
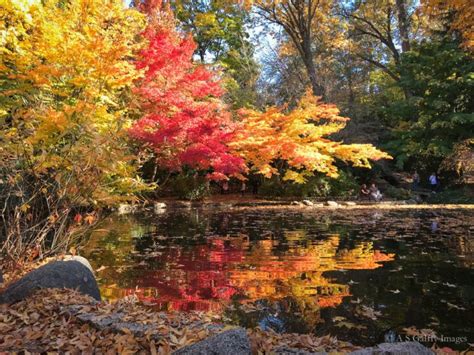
(463, 16)
(299, 138)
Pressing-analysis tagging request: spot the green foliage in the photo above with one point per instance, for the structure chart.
(345, 186)
(438, 113)
(198, 193)
(397, 193)
(189, 187)
(218, 28)
(455, 195)
(241, 77)
(318, 186)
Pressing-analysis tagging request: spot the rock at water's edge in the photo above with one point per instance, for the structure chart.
(285, 350)
(402, 348)
(73, 274)
(406, 347)
(159, 207)
(80, 259)
(332, 204)
(125, 208)
(235, 342)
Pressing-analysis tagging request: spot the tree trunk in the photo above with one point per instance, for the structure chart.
(403, 29)
(351, 99)
(202, 54)
(308, 60)
(403, 25)
(318, 90)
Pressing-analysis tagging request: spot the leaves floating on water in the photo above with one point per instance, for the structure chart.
(449, 285)
(451, 305)
(368, 312)
(350, 325)
(426, 333)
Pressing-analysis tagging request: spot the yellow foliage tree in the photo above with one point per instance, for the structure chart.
(65, 74)
(65, 82)
(299, 139)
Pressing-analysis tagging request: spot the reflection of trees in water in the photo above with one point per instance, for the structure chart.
(299, 271)
(463, 246)
(203, 276)
(112, 242)
(275, 257)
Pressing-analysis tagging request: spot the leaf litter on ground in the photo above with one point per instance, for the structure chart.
(53, 320)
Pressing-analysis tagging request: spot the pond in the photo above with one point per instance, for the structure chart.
(357, 274)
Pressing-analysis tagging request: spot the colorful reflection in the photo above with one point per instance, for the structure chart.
(297, 272)
(208, 274)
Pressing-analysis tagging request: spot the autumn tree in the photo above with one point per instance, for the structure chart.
(65, 80)
(380, 31)
(185, 121)
(461, 13)
(299, 18)
(298, 141)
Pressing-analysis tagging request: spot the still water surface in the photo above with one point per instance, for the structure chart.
(356, 274)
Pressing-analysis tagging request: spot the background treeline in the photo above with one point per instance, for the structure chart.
(400, 69)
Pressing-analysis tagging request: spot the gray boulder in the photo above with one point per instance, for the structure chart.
(75, 273)
(80, 259)
(126, 208)
(285, 350)
(400, 348)
(332, 204)
(234, 341)
(308, 203)
(159, 207)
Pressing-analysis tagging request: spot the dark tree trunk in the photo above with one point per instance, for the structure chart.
(296, 17)
(318, 90)
(308, 60)
(403, 25)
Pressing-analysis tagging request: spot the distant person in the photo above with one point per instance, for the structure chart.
(254, 181)
(364, 192)
(433, 179)
(375, 193)
(415, 181)
(243, 188)
(225, 187)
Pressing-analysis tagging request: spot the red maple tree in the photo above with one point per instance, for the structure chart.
(185, 121)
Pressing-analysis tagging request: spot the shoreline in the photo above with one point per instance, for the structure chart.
(160, 205)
